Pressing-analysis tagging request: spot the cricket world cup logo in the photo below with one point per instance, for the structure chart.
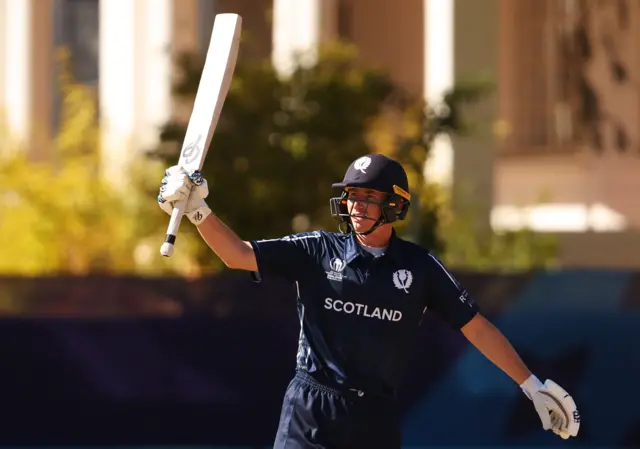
(337, 266)
(191, 152)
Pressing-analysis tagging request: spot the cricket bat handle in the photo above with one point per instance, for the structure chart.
(172, 230)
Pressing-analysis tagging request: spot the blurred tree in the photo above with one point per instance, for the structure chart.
(495, 251)
(60, 216)
(282, 142)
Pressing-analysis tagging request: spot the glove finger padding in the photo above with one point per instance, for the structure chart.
(568, 408)
(557, 410)
(178, 185)
(540, 404)
(175, 188)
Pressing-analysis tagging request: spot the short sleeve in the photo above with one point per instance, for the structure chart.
(287, 257)
(447, 298)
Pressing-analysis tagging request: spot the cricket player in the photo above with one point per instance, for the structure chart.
(361, 296)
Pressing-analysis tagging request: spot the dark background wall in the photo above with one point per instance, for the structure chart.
(143, 361)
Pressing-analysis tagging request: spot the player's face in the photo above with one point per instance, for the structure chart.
(364, 207)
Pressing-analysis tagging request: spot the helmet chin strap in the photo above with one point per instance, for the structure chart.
(379, 222)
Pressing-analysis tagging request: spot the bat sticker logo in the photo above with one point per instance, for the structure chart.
(192, 151)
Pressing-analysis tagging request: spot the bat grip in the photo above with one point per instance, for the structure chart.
(172, 230)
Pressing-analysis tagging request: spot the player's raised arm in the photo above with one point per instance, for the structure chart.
(287, 257)
(231, 249)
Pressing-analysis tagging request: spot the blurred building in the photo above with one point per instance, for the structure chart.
(569, 101)
(561, 129)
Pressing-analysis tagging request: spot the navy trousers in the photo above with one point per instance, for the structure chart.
(315, 416)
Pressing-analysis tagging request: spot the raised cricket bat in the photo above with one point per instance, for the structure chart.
(212, 91)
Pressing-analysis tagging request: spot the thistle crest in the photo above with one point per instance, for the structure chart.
(402, 280)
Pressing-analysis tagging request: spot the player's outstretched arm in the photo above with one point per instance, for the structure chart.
(232, 250)
(495, 346)
(556, 408)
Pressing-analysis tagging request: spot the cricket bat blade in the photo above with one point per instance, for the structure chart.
(215, 82)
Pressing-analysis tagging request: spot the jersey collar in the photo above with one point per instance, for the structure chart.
(354, 250)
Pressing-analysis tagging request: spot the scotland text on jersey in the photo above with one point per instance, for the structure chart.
(349, 308)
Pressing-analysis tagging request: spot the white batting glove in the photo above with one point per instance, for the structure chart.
(177, 185)
(556, 408)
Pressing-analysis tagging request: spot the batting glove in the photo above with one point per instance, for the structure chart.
(177, 185)
(556, 408)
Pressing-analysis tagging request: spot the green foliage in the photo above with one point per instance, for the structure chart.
(60, 215)
(470, 248)
(281, 143)
(501, 252)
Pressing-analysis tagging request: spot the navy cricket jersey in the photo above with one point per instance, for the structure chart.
(360, 314)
